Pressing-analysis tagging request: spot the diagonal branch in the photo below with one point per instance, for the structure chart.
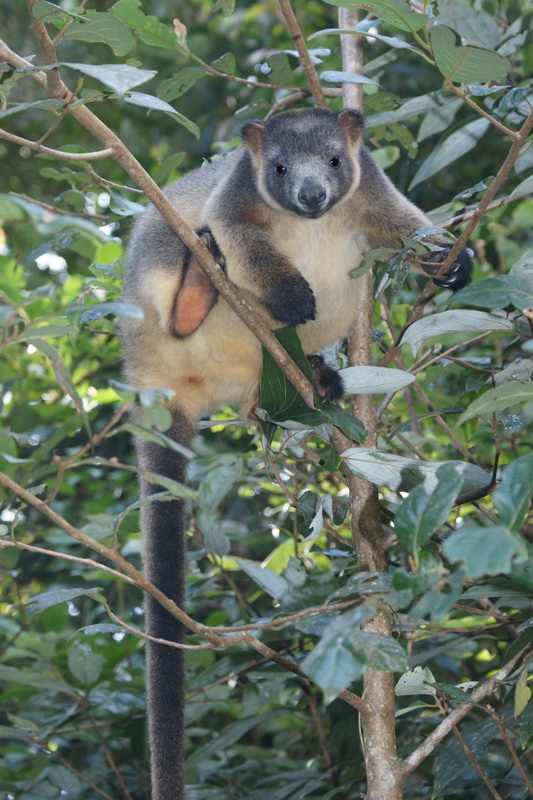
(443, 729)
(298, 39)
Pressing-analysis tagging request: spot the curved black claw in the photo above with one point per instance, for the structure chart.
(460, 273)
(326, 380)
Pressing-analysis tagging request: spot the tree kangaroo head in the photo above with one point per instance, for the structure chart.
(306, 161)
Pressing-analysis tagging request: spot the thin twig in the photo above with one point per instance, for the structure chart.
(518, 140)
(48, 151)
(477, 766)
(305, 59)
(456, 714)
(510, 746)
(61, 211)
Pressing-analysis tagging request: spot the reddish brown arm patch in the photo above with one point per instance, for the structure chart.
(194, 300)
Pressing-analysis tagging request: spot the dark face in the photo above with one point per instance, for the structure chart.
(308, 163)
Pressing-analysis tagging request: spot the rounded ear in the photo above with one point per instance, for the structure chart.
(252, 134)
(352, 122)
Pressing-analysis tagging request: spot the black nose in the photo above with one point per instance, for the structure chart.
(312, 195)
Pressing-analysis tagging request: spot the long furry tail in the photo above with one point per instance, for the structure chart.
(163, 525)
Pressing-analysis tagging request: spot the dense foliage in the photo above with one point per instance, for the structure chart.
(446, 88)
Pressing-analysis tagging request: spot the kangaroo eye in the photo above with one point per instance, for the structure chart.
(335, 162)
(280, 169)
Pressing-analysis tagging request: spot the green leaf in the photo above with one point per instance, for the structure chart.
(120, 78)
(225, 63)
(465, 64)
(381, 652)
(35, 680)
(103, 28)
(454, 321)
(218, 481)
(85, 665)
(271, 583)
(473, 25)
(450, 149)
(153, 32)
(374, 380)
(512, 498)
(180, 83)
(155, 103)
(495, 400)
(65, 780)
(334, 663)
(278, 396)
(333, 76)
(397, 13)
(522, 692)
(402, 474)
(457, 694)
(422, 512)
(484, 551)
(486, 293)
(40, 602)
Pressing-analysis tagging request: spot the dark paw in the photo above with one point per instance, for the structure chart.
(459, 274)
(210, 242)
(292, 301)
(326, 380)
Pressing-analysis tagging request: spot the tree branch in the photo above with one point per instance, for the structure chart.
(443, 729)
(298, 39)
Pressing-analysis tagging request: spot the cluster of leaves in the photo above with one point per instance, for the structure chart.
(269, 535)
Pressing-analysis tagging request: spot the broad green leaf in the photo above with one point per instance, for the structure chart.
(512, 498)
(165, 170)
(229, 735)
(422, 512)
(420, 680)
(484, 551)
(374, 380)
(210, 526)
(473, 25)
(465, 64)
(66, 780)
(392, 41)
(397, 13)
(217, 482)
(381, 652)
(225, 63)
(156, 104)
(493, 401)
(104, 28)
(174, 487)
(402, 474)
(450, 149)
(411, 108)
(271, 583)
(120, 78)
(334, 663)
(36, 680)
(153, 32)
(18, 107)
(179, 83)
(333, 76)
(455, 321)
(10, 732)
(118, 309)
(84, 664)
(486, 293)
(522, 692)
(457, 694)
(40, 602)
(523, 188)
